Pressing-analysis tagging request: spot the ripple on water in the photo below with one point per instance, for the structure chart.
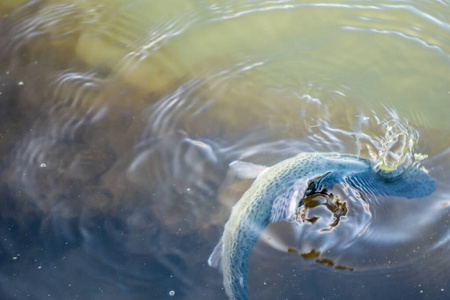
(126, 115)
(375, 233)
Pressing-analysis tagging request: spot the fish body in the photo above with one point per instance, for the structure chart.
(279, 190)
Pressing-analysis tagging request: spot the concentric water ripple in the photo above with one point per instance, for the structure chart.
(118, 121)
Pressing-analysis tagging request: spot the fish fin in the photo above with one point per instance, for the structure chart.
(285, 205)
(246, 170)
(215, 259)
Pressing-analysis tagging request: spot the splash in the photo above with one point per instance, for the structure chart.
(397, 145)
(394, 149)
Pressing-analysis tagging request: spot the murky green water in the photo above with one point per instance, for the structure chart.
(118, 120)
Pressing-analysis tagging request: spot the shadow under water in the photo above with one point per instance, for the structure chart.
(118, 122)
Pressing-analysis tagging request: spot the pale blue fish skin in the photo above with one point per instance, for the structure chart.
(279, 190)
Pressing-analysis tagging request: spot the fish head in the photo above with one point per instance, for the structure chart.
(408, 182)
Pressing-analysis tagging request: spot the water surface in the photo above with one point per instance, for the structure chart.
(118, 121)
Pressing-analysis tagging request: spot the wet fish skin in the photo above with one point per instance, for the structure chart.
(278, 191)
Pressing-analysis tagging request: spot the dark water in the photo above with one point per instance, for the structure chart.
(118, 121)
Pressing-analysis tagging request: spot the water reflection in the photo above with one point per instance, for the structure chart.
(118, 122)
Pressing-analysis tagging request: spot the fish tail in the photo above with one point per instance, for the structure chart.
(235, 277)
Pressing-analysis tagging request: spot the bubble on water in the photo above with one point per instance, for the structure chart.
(43, 165)
(172, 293)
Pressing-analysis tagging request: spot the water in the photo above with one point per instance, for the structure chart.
(118, 122)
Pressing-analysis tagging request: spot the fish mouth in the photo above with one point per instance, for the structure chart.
(391, 175)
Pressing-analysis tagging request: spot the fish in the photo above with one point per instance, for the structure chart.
(278, 192)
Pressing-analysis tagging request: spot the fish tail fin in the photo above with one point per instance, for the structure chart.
(215, 259)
